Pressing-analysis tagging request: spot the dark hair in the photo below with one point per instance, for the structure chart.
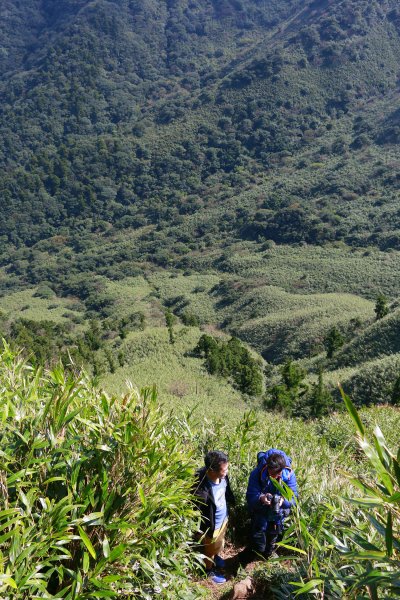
(214, 459)
(276, 462)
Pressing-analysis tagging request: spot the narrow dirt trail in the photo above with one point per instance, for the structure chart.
(239, 585)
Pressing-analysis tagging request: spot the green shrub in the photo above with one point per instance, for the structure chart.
(94, 490)
(348, 545)
(44, 291)
(333, 341)
(290, 391)
(381, 307)
(231, 359)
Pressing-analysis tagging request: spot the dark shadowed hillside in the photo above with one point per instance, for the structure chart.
(136, 113)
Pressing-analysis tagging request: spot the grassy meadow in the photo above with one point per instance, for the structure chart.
(26, 304)
(281, 301)
(181, 379)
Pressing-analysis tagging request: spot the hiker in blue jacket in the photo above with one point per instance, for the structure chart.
(268, 508)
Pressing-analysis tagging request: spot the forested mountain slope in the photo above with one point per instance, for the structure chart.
(253, 141)
(134, 113)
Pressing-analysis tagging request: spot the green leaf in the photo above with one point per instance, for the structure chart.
(305, 588)
(382, 472)
(299, 550)
(389, 534)
(117, 552)
(366, 489)
(7, 536)
(51, 479)
(85, 539)
(10, 522)
(104, 447)
(106, 547)
(339, 545)
(95, 518)
(70, 416)
(112, 578)
(284, 489)
(9, 511)
(19, 477)
(380, 445)
(381, 529)
(85, 562)
(7, 580)
(142, 496)
(369, 554)
(352, 411)
(378, 526)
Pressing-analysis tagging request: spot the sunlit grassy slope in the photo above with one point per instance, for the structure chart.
(379, 340)
(276, 323)
(25, 304)
(181, 379)
(299, 325)
(130, 294)
(277, 301)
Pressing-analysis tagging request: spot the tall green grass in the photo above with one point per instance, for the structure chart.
(94, 490)
(181, 378)
(96, 493)
(343, 538)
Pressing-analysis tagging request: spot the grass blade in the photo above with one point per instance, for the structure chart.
(85, 539)
(352, 411)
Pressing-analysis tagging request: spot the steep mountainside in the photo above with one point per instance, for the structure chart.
(204, 136)
(133, 113)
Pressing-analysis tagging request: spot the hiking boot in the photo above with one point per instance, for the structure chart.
(216, 577)
(219, 562)
(246, 556)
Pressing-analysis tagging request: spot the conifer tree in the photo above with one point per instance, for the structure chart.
(381, 307)
(333, 341)
(170, 320)
(320, 398)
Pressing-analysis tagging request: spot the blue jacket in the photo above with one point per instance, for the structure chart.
(260, 483)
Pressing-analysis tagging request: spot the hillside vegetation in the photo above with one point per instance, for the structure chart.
(119, 331)
(182, 107)
(238, 158)
(96, 494)
(200, 196)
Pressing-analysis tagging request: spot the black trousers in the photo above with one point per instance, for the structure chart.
(265, 534)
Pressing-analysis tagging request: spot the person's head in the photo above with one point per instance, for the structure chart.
(276, 462)
(216, 463)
